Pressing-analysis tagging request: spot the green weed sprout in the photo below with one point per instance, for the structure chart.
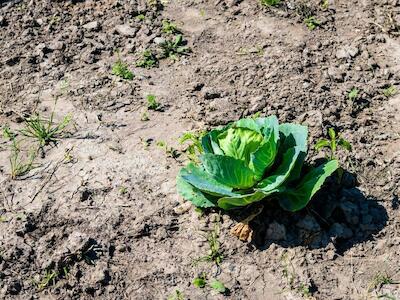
(390, 91)
(120, 69)
(169, 27)
(312, 22)
(152, 102)
(333, 143)
(148, 60)
(44, 130)
(353, 94)
(270, 2)
(174, 48)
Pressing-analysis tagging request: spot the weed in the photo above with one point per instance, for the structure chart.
(123, 190)
(144, 116)
(148, 60)
(390, 91)
(214, 254)
(304, 290)
(353, 94)
(387, 296)
(288, 270)
(120, 69)
(174, 48)
(48, 278)
(178, 295)
(218, 286)
(141, 17)
(312, 22)
(44, 130)
(193, 139)
(325, 4)
(152, 102)
(332, 143)
(200, 281)
(270, 2)
(169, 151)
(379, 280)
(202, 13)
(169, 27)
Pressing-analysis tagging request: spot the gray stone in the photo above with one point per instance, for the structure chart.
(351, 212)
(92, 26)
(126, 30)
(56, 45)
(347, 52)
(276, 232)
(309, 223)
(340, 231)
(159, 40)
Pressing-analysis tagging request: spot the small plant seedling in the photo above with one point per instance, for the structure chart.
(200, 281)
(48, 278)
(141, 17)
(387, 296)
(123, 190)
(214, 254)
(174, 48)
(169, 151)
(169, 27)
(152, 102)
(312, 22)
(121, 69)
(304, 290)
(325, 4)
(44, 130)
(202, 13)
(177, 295)
(270, 2)
(332, 143)
(379, 280)
(390, 91)
(353, 94)
(148, 60)
(145, 116)
(218, 286)
(194, 148)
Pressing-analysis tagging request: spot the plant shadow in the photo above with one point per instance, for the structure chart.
(338, 214)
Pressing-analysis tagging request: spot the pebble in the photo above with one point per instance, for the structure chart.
(340, 231)
(276, 232)
(126, 30)
(92, 26)
(159, 40)
(309, 223)
(347, 52)
(183, 208)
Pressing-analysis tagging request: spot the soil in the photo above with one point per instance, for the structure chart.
(99, 216)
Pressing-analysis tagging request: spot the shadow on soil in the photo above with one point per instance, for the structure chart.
(341, 214)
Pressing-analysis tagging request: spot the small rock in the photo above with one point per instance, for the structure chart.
(77, 242)
(3, 21)
(351, 212)
(159, 40)
(330, 254)
(309, 223)
(184, 207)
(347, 52)
(276, 232)
(340, 231)
(257, 104)
(126, 30)
(92, 26)
(56, 45)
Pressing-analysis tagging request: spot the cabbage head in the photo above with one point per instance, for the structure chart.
(250, 160)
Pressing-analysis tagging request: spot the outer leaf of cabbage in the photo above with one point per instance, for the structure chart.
(194, 195)
(204, 182)
(297, 198)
